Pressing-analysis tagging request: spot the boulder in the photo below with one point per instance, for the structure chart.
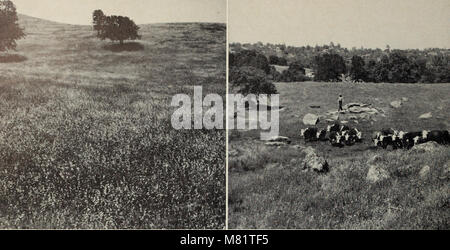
(355, 104)
(424, 172)
(310, 119)
(405, 99)
(396, 104)
(426, 116)
(376, 173)
(425, 147)
(359, 110)
(314, 162)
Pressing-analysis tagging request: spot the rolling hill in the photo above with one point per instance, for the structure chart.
(85, 133)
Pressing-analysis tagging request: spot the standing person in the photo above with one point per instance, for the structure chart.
(340, 99)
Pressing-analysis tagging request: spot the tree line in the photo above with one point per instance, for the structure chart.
(333, 63)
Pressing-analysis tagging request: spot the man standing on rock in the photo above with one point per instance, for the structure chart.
(340, 99)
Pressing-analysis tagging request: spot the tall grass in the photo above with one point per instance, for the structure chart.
(85, 133)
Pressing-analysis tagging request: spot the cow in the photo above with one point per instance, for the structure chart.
(385, 141)
(334, 128)
(322, 135)
(352, 136)
(336, 139)
(344, 128)
(310, 134)
(439, 136)
(408, 140)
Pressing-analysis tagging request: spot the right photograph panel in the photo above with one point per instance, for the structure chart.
(338, 114)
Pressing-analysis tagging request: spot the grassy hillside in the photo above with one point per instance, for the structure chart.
(268, 188)
(85, 134)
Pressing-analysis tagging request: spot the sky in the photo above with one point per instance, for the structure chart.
(141, 11)
(402, 24)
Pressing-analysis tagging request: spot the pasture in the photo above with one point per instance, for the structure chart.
(85, 133)
(269, 189)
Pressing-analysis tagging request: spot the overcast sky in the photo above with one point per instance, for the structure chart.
(141, 11)
(368, 23)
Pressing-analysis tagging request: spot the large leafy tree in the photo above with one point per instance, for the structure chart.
(250, 58)
(329, 67)
(251, 80)
(115, 28)
(10, 31)
(98, 21)
(357, 70)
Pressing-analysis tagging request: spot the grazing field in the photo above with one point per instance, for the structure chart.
(269, 189)
(85, 133)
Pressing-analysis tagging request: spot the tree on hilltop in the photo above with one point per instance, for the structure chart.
(98, 21)
(10, 30)
(115, 28)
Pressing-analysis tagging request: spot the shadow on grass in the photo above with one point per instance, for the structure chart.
(132, 46)
(12, 58)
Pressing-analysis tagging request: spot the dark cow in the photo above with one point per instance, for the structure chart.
(385, 140)
(310, 134)
(344, 128)
(408, 139)
(334, 128)
(322, 135)
(352, 136)
(439, 136)
(336, 139)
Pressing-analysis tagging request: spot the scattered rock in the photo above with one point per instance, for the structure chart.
(396, 104)
(310, 119)
(344, 122)
(425, 147)
(405, 99)
(426, 116)
(314, 162)
(353, 117)
(446, 171)
(359, 110)
(424, 172)
(278, 141)
(355, 104)
(356, 121)
(376, 173)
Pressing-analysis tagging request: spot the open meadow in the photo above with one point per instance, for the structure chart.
(85, 133)
(268, 187)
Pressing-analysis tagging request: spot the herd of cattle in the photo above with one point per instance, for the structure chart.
(400, 139)
(340, 135)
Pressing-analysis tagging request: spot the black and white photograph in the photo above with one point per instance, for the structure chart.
(86, 133)
(364, 114)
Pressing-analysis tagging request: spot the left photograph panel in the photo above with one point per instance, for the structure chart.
(112, 114)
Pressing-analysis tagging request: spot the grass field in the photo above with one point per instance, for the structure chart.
(85, 133)
(268, 189)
